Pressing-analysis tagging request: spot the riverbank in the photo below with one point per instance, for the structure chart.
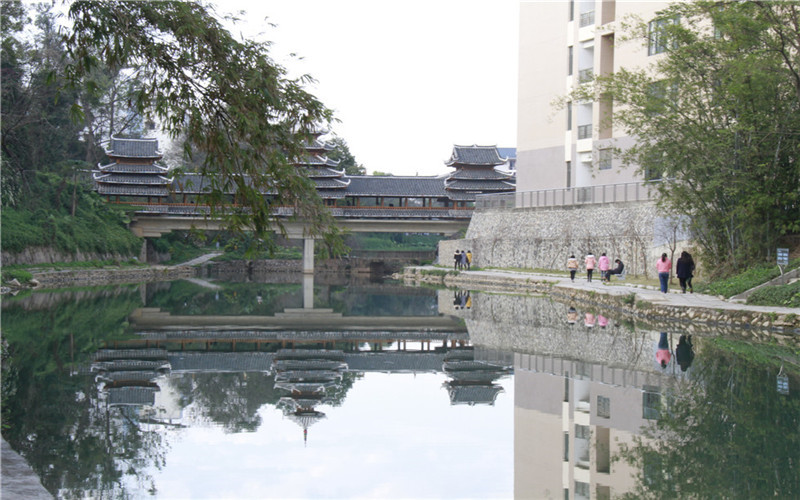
(693, 311)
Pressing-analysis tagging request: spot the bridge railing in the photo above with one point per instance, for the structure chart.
(192, 209)
(605, 193)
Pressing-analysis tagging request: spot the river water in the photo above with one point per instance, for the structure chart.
(193, 389)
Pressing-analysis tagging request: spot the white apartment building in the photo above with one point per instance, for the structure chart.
(561, 43)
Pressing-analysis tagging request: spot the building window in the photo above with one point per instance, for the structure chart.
(651, 403)
(569, 115)
(582, 490)
(585, 131)
(571, 10)
(566, 386)
(658, 38)
(582, 432)
(604, 157)
(603, 407)
(569, 61)
(566, 447)
(587, 18)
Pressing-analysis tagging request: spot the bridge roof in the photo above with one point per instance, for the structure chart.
(475, 156)
(133, 148)
(366, 185)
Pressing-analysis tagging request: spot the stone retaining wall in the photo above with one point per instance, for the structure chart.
(783, 328)
(543, 238)
(93, 277)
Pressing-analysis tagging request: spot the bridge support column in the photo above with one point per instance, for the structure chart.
(308, 256)
(308, 291)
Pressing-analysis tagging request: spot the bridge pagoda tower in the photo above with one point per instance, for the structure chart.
(133, 174)
(476, 173)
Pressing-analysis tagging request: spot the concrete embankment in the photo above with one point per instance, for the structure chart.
(19, 482)
(692, 311)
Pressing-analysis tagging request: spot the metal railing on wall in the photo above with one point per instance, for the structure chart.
(606, 193)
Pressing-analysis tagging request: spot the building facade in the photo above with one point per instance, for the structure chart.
(561, 45)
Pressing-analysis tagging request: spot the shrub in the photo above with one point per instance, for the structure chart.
(778, 295)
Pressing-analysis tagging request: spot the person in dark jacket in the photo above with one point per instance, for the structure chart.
(684, 269)
(616, 270)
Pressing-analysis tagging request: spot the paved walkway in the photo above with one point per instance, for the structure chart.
(648, 293)
(19, 482)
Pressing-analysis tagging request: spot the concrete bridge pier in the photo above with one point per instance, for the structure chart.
(308, 255)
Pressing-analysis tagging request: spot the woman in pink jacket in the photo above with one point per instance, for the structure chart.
(663, 266)
(590, 261)
(604, 265)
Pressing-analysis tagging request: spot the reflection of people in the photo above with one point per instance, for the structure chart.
(589, 320)
(464, 299)
(684, 353)
(662, 354)
(572, 316)
(572, 265)
(602, 321)
(469, 301)
(457, 299)
(616, 270)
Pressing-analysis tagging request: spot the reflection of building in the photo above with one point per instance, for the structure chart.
(570, 418)
(472, 381)
(127, 376)
(307, 375)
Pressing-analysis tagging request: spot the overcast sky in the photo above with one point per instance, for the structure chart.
(407, 80)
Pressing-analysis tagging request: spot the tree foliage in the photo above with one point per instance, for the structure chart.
(346, 159)
(233, 103)
(719, 114)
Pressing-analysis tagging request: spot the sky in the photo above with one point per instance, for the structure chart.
(405, 80)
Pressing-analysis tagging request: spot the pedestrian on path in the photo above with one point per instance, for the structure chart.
(457, 259)
(684, 269)
(463, 264)
(469, 259)
(663, 266)
(572, 266)
(604, 265)
(590, 262)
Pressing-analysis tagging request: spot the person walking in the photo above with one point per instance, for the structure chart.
(572, 266)
(469, 259)
(457, 259)
(590, 262)
(684, 269)
(463, 261)
(604, 265)
(663, 266)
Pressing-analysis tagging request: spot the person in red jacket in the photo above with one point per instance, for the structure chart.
(590, 262)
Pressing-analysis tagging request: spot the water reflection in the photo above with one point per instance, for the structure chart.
(140, 379)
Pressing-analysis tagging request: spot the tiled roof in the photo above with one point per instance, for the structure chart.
(317, 160)
(127, 168)
(479, 185)
(323, 172)
(116, 189)
(330, 183)
(479, 173)
(370, 185)
(142, 180)
(510, 153)
(475, 155)
(133, 148)
(473, 394)
(138, 396)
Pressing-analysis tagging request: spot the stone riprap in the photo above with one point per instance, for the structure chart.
(543, 238)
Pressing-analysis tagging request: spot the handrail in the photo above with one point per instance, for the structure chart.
(585, 195)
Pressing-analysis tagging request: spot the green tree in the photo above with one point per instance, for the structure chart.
(346, 159)
(232, 102)
(717, 115)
